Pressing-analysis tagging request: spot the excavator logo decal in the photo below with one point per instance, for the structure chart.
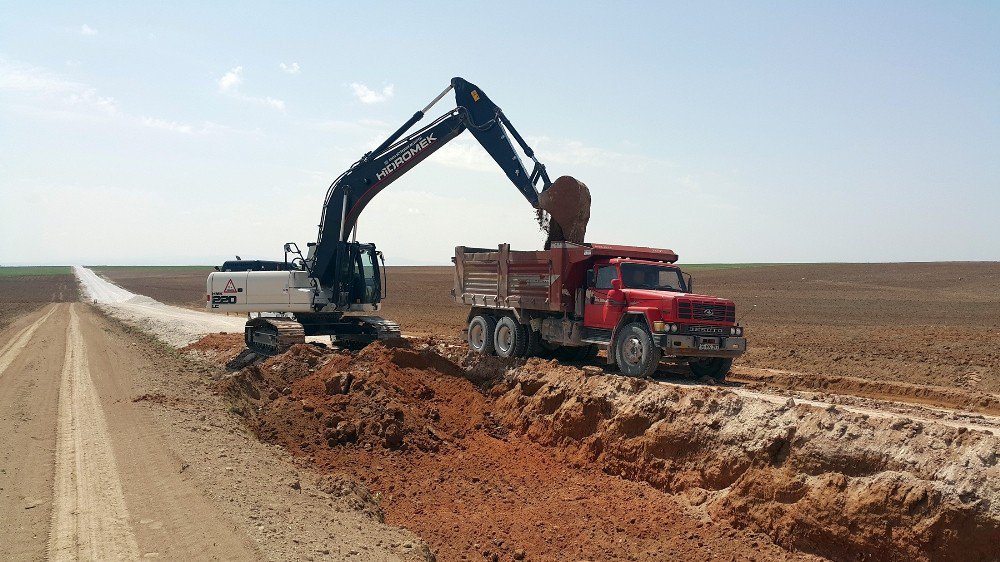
(475, 95)
(407, 154)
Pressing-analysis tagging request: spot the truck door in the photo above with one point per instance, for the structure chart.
(599, 311)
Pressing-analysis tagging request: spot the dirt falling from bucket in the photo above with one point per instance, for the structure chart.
(567, 201)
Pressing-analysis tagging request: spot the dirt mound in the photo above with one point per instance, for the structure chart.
(445, 439)
(220, 348)
(567, 201)
(418, 431)
(825, 481)
(310, 398)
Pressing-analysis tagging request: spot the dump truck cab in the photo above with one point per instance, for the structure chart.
(621, 291)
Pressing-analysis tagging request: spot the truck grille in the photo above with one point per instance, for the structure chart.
(705, 310)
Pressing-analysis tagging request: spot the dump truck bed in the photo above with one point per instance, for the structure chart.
(534, 279)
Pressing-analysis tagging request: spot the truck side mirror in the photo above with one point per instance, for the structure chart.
(690, 283)
(616, 284)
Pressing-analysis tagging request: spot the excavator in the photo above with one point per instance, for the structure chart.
(337, 286)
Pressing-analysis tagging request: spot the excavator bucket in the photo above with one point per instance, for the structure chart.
(567, 201)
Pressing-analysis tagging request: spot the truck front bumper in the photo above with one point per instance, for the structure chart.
(700, 346)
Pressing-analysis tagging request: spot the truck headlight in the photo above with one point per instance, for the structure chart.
(739, 331)
(674, 328)
(659, 326)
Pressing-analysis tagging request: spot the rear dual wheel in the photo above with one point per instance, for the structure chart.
(481, 333)
(511, 338)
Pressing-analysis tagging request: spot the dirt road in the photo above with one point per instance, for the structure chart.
(95, 466)
(66, 494)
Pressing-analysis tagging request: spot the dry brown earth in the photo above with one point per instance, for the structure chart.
(23, 293)
(824, 325)
(114, 447)
(424, 436)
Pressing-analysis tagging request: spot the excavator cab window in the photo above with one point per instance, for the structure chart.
(368, 275)
(358, 274)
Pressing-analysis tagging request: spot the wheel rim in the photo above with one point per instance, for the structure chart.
(476, 337)
(632, 350)
(504, 338)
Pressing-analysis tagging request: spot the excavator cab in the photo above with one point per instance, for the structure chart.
(358, 284)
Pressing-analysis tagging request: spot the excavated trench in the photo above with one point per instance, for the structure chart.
(824, 481)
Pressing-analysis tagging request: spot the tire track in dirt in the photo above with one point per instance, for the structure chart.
(89, 518)
(10, 351)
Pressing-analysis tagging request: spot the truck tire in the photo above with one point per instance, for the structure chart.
(577, 354)
(511, 338)
(481, 331)
(713, 367)
(534, 347)
(635, 352)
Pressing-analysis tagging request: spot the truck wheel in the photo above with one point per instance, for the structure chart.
(511, 339)
(481, 330)
(578, 354)
(713, 367)
(635, 352)
(534, 348)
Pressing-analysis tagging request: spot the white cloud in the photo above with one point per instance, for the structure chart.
(231, 82)
(275, 103)
(171, 126)
(44, 94)
(44, 87)
(292, 68)
(368, 96)
(87, 30)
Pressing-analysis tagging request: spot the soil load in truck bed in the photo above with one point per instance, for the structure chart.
(567, 201)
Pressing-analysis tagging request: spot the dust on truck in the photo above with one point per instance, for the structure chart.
(631, 301)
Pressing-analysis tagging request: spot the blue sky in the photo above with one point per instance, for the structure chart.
(145, 133)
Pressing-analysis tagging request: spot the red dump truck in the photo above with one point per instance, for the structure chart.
(578, 298)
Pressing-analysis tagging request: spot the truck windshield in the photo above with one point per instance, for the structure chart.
(658, 278)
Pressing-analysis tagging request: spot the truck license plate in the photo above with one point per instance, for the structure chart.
(708, 346)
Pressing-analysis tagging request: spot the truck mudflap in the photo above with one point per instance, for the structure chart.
(700, 346)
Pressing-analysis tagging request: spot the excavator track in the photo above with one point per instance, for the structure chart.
(385, 329)
(272, 336)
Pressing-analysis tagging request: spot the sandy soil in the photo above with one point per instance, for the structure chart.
(175, 325)
(22, 294)
(113, 448)
(179, 286)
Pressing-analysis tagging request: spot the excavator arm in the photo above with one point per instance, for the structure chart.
(350, 193)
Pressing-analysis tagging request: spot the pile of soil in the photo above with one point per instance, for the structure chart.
(567, 201)
(465, 450)
(311, 398)
(418, 429)
(218, 348)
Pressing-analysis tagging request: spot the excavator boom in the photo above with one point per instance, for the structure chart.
(350, 193)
